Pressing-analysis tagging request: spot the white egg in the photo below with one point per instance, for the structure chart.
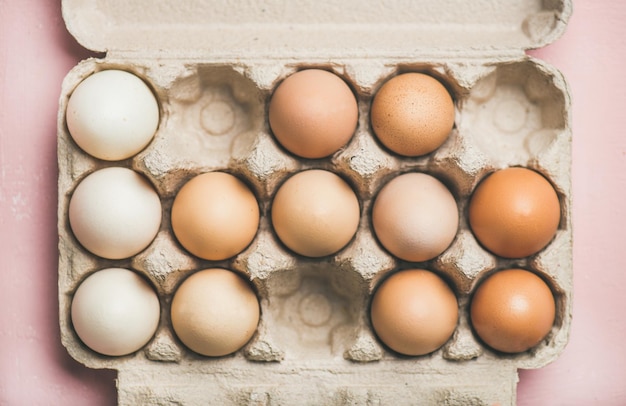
(115, 213)
(112, 115)
(115, 311)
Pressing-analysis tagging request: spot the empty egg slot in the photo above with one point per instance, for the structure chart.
(314, 310)
(207, 108)
(514, 113)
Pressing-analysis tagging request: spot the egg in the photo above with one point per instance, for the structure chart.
(315, 213)
(412, 114)
(115, 311)
(114, 213)
(414, 312)
(415, 217)
(215, 216)
(215, 312)
(112, 115)
(513, 310)
(313, 113)
(514, 212)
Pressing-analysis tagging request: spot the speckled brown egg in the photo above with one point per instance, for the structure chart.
(514, 212)
(513, 310)
(412, 114)
(313, 113)
(414, 312)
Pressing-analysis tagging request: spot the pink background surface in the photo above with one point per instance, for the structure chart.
(36, 52)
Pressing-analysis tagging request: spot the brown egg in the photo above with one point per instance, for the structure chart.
(215, 216)
(514, 212)
(414, 312)
(215, 312)
(415, 217)
(315, 213)
(412, 114)
(513, 310)
(313, 113)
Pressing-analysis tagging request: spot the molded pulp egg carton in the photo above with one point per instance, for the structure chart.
(510, 110)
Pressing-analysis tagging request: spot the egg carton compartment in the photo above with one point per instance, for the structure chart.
(315, 341)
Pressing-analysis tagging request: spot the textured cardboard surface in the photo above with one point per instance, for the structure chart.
(331, 368)
(304, 29)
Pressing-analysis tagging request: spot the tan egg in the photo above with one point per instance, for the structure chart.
(313, 113)
(514, 212)
(414, 312)
(415, 217)
(215, 312)
(315, 213)
(412, 114)
(513, 310)
(215, 216)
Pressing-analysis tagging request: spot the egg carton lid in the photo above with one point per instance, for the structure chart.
(243, 29)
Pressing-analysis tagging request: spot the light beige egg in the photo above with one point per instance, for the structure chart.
(215, 312)
(415, 217)
(315, 213)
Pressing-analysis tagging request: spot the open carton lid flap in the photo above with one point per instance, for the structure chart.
(246, 29)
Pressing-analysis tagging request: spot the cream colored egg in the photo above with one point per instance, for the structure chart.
(215, 216)
(415, 217)
(315, 213)
(115, 311)
(215, 312)
(115, 213)
(112, 115)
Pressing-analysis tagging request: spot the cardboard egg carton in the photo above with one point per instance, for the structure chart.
(213, 67)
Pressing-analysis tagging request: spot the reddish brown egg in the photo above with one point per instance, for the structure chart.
(412, 114)
(414, 312)
(513, 310)
(514, 212)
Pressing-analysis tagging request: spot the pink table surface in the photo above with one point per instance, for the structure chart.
(36, 52)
